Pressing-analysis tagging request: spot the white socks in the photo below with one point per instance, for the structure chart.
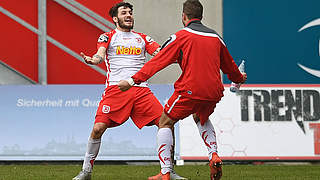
(208, 136)
(165, 143)
(91, 154)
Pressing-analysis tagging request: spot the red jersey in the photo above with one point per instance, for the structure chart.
(201, 53)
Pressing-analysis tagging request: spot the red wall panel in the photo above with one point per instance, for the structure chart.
(19, 47)
(74, 33)
(71, 30)
(100, 7)
(24, 9)
(65, 69)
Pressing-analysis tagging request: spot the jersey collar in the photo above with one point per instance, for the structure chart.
(118, 31)
(193, 21)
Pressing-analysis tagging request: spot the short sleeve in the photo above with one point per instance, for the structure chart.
(151, 45)
(103, 41)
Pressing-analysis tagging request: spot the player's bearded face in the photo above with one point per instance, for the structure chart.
(126, 23)
(125, 18)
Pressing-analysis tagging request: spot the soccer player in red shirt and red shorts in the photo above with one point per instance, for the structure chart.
(201, 53)
(123, 51)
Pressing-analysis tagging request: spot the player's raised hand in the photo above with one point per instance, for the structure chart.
(87, 59)
(124, 85)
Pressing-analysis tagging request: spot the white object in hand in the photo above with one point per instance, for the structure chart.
(236, 86)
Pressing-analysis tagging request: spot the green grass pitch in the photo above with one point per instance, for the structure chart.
(192, 172)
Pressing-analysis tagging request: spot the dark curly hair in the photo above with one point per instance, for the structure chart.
(113, 12)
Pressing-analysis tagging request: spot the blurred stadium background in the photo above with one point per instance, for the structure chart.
(48, 96)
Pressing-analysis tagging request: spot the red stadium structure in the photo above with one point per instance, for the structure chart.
(41, 40)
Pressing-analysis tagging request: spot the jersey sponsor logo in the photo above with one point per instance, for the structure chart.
(103, 38)
(128, 50)
(105, 109)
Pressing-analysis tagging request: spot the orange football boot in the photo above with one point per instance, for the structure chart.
(160, 176)
(215, 167)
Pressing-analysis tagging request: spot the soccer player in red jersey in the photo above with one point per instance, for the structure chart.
(123, 51)
(201, 53)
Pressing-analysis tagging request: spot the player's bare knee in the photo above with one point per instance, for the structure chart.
(98, 130)
(166, 122)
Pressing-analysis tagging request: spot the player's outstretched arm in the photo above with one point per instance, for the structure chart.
(96, 58)
(156, 52)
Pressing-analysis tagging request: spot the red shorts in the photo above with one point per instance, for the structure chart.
(139, 103)
(179, 107)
